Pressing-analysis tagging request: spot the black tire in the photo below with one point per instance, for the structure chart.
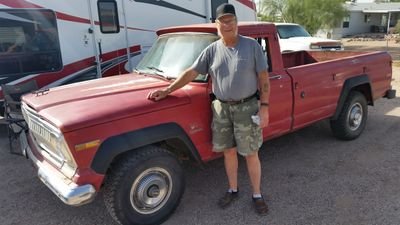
(144, 186)
(353, 117)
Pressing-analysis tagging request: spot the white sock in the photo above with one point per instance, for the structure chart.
(257, 196)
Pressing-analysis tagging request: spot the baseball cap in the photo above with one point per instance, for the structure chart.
(225, 9)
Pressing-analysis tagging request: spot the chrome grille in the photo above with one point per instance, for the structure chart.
(45, 135)
(331, 47)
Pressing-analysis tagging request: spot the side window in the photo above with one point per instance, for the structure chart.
(265, 47)
(346, 22)
(108, 16)
(29, 42)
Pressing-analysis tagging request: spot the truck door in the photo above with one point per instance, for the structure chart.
(280, 101)
(109, 35)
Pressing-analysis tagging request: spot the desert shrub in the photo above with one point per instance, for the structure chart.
(397, 27)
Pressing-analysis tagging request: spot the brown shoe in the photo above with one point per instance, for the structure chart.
(228, 199)
(260, 206)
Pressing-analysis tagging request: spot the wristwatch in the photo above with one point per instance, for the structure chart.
(264, 104)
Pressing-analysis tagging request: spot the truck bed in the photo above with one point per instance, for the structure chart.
(299, 58)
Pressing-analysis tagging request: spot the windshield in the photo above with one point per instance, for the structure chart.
(174, 53)
(288, 31)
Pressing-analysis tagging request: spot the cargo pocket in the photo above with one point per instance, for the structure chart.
(256, 141)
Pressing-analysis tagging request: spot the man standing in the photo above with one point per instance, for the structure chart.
(238, 68)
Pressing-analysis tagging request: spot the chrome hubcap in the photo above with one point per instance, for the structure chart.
(151, 190)
(355, 116)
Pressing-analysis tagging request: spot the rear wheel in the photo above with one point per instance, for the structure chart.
(144, 187)
(353, 117)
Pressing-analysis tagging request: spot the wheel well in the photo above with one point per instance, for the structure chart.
(359, 83)
(174, 145)
(364, 89)
(169, 136)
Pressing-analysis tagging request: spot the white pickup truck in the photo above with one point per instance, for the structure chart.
(293, 37)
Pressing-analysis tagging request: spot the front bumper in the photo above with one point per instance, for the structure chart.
(69, 192)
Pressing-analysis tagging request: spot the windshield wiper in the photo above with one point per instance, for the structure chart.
(155, 68)
(137, 71)
(160, 73)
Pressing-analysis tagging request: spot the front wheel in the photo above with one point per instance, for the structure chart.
(144, 187)
(352, 119)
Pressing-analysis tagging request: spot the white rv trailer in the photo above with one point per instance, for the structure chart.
(66, 41)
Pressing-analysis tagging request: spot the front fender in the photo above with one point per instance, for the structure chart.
(116, 145)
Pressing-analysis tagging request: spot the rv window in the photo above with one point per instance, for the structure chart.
(28, 42)
(108, 16)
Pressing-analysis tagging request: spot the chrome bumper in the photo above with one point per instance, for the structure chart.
(69, 192)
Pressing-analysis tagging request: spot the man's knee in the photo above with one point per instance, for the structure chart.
(252, 156)
(230, 152)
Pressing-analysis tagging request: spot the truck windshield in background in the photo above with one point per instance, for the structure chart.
(288, 31)
(29, 42)
(174, 53)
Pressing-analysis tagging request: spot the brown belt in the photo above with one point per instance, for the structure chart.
(235, 102)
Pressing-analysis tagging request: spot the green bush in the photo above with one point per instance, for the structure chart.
(397, 27)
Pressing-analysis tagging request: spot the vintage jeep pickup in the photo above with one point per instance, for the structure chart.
(105, 133)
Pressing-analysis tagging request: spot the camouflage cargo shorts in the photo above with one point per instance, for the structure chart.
(232, 126)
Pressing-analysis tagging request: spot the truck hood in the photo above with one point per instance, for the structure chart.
(304, 43)
(98, 101)
(310, 40)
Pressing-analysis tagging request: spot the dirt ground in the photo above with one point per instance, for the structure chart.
(379, 45)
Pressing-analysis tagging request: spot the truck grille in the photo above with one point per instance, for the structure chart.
(45, 135)
(331, 47)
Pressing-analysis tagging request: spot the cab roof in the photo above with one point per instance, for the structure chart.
(245, 28)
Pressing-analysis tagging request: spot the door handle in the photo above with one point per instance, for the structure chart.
(276, 77)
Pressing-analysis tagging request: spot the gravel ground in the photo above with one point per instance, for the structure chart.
(309, 177)
(375, 45)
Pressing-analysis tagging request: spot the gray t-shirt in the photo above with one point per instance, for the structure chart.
(233, 70)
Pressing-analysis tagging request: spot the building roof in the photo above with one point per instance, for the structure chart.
(373, 7)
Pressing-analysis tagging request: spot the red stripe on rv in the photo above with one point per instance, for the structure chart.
(120, 52)
(19, 4)
(44, 79)
(248, 3)
(66, 17)
(47, 78)
(60, 15)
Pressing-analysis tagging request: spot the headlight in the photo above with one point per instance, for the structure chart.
(55, 146)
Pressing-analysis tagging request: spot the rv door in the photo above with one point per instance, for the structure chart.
(109, 35)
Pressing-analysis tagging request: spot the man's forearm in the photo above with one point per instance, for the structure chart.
(187, 76)
(264, 86)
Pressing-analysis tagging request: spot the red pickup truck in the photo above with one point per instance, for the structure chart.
(105, 133)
